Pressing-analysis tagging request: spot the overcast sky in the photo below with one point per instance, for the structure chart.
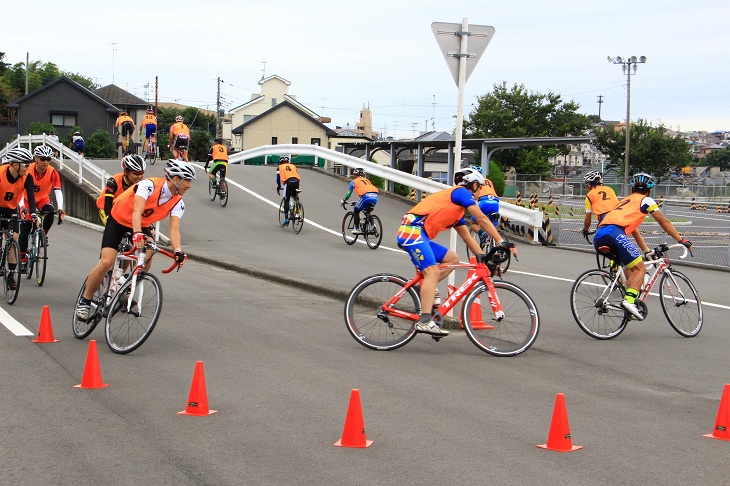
(341, 56)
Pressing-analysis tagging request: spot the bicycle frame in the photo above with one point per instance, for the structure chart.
(139, 267)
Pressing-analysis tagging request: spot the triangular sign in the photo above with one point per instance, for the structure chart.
(449, 37)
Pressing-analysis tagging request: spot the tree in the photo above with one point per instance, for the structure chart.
(518, 113)
(719, 158)
(201, 136)
(100, 146)
(38, 128)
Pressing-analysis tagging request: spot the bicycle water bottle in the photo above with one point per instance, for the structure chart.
(646, 281)
(117, 276)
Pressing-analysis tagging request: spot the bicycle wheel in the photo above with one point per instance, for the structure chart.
(375, 327)
(681, 303)
(373, 229)
(41, 257)
(153, 153)
(31, 254)
(475, 236)
(223, 193)
(126, 330)
(600, 316)
(211, 189)
(298, 216)
(504, 266)
(11, 292)
(282, 214)
(510, 335)
(348, 225)
(82, 329)
(604, 263)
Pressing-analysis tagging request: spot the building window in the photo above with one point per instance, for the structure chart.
(316, 141)
(273, 101)
(247, 118)
(274, 140)
(61, 120)
(294, 140)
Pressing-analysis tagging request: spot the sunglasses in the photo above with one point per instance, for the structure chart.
(44, 159)
(137, 172)
(26, 164)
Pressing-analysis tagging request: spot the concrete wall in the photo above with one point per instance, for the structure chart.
(79, 201)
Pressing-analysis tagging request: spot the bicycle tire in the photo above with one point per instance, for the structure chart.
(41, 257)
(223, 193)
(369, 324)
(600, 320)
(31, 254)
(82, 329)
(511, 335)
(298, 216)
(282, 214)
(125, 330)
(683, 315)
(212, 192)
(348, 224)
(11, 294)
(504, 266)
(373, 229)
(153, 153)
(475, 237)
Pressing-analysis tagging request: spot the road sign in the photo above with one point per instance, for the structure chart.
(449, 36)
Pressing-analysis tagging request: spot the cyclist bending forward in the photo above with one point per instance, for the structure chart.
(442, 210)
(488, 202)
(219, 156)
(368, 196)
(179, 138)
(599, 200)
(287, 176)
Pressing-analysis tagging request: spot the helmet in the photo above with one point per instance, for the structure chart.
(477, 168)
(150, 111)
(465, 176)
(19, 155)
(179, 118)
(122, 113)
(51, 132)
(642, 181)
(283, 157)
(594, 177)
(218, 140)
(77, 133)
(43, 151)
(180, 168)
(134, 162)
(358, 172)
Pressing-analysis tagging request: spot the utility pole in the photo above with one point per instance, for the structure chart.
(600, 102)
(114, 48)
(156, 94)
(27, 67)
(218, 111)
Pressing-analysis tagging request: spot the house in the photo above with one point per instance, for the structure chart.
(125, 101)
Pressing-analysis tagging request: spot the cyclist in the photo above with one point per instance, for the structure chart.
(45, 178)
(77, 143)
(219, 156)
(125, 126)
(599, 200)
(14, 184)
(149, 125)
(133, 167)
(420, 226)
(134, 210)
(624, 220)
(488, 202)
(287, 176)
(179, 138)
(368, 196)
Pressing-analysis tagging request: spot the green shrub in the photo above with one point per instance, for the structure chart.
(100, 146)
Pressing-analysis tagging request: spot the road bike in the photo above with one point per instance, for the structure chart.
(603, 260)
(499, 317)
(218, 186)
(151, 153)
(131, 303)
(10, 251)
(370, 227)
(37, 252)
(296, 212)
(596, 296)
(487, 244)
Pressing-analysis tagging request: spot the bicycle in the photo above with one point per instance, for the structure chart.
(596, 295)
(10, 249)
(487, 244)
(370, 227)
(499, 317)
(603, 261)
(218, 187)
(151, 153)
(296, 212)
(37, 252)
(131, 303)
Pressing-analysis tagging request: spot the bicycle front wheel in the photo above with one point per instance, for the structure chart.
(504, 266)
(298, 216)
(153, 153)
(223, 193)
(598, 312)
(31, 254)
(41, 257)
(11, 278)
(681, 303)
(348, 225)
(211, 189)
(374, 326)
(507, 335)
(373, 229)
(82, 329)
(131, 321)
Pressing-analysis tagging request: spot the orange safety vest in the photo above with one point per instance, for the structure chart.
(148, 119)
(628, 213)
(487, 189)
(44, 183)
(122, 119)
(10, 192)
(287, 171)
(601, 199)
(219, 153)
(439, 212)
(363, 186)
(178, 128)
(118, 178)
(153, 210)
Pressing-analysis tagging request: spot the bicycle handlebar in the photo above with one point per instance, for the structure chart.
(659, 251)
(157, 249)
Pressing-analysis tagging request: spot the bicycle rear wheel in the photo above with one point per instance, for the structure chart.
(41, 257)
(373, 230)
(153, 152)
(82, 329)
(504, 266)
(510, 335)
(375, 327)
(11, 292)
(211, 189)
(282, 214)
(475, 236)
(598, 315)
(348, 225)
(126, 329)
(223, 193)
(298, 216)
(681, 303)
(31, 254)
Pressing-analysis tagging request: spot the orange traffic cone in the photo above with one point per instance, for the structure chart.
(198, 398)
(475, 311)
(92, 371)
(45, 330)
(722, 423)
(559, 436)
(353, 434)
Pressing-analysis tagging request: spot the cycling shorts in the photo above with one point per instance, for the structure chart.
(424, 253)
(367, 202)
(114, 232)
(615, 238)
(127, 129)
(181, 141)
(489, 206)
(219, 166)
(149, 129)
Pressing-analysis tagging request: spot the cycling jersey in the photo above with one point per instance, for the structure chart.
(115, 185)
(154, 209)
(149, 120)
(179, 128)
(44, 184)
(442, 210)
(11, 192)
(600, 200)
(287, 171)
(486, 190)
(218, 153)
(362, 185)
(630, 212)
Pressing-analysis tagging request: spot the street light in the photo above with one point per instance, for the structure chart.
(626, 65)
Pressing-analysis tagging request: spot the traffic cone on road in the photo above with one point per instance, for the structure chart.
(722, 423)
(92, 371)
(198, 397)
(559, 436)
(353, 434)
(45, 330)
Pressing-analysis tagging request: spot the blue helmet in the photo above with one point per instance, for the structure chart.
(477, 168)
(642, 181)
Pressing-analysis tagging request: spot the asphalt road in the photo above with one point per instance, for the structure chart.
(280, 365)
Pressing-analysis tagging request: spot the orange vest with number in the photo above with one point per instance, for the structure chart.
(178, 128)
(148, 119)
(602, 199)
(153, 211)
(118, 178)
(44, 183)
(287, 171)
(219, 153)
(627, 214)
(10, 192)
(363, 185)
(487, 189)
(439, 212)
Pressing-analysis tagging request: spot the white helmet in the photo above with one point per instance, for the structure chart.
(19, 155)
(134, 162)
(181, 169)
(465, 176)
(43, 151)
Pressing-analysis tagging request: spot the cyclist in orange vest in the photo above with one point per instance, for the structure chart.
(599, 200)
(149, 201)
(179, 138)
(125, 126)
(287, 176)
(368, 196)
(133, 167)
(45, 179)
(149, 124)
(420, 226)
(219, 156)
(624, 220)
